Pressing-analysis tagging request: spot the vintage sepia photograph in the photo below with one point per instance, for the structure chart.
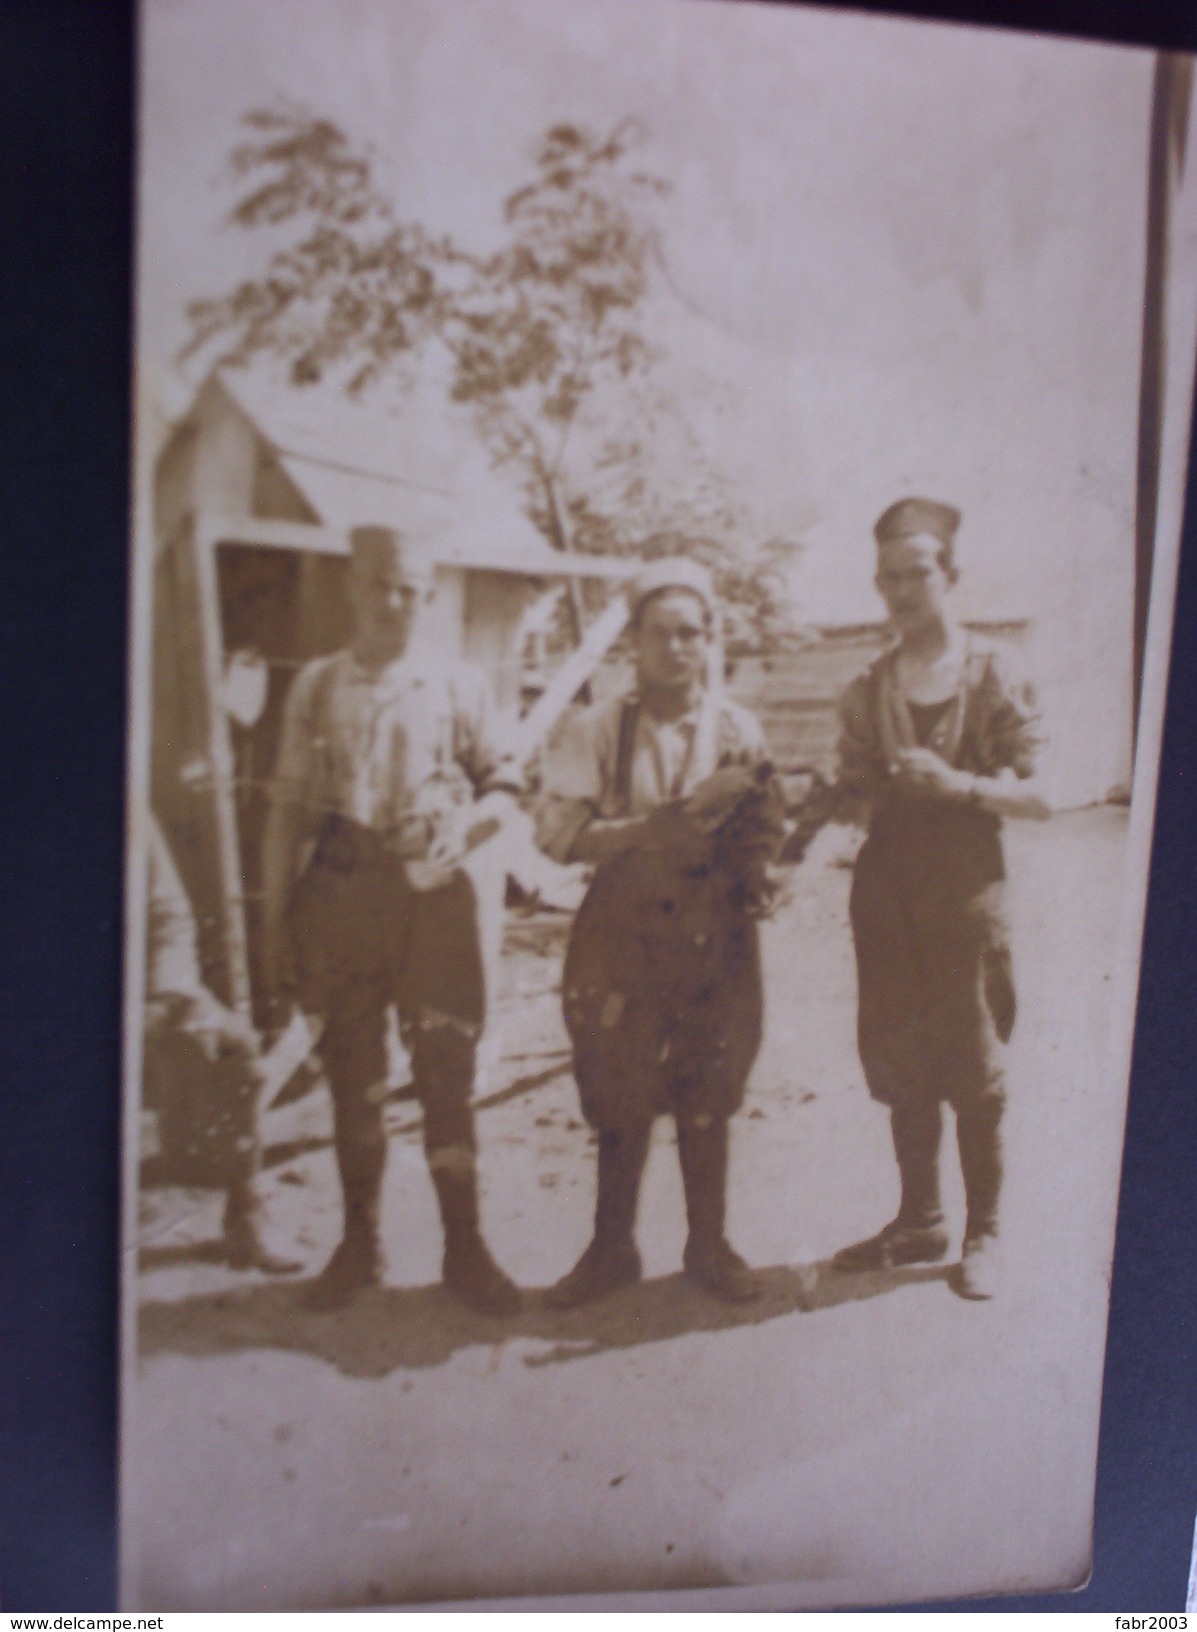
(654, 542)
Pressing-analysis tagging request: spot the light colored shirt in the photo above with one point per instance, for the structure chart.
(415, 737)
(668, 759)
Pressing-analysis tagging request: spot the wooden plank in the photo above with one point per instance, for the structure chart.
(570, 677)
(213, 527)
(221, 528)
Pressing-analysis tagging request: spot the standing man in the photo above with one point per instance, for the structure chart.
(669, 792)
(939, 745)
(194, 1042)
(383, 761)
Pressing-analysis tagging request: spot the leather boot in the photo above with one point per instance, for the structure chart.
(710, 1261)
(357, 1261)
(611, 1260)
(470, 1273)
(916, 1235)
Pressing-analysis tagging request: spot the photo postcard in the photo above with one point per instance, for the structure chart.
(654, 542)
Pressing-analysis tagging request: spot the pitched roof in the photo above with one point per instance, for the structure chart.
(419, 467)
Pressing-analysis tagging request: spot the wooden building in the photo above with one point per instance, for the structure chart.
(255, 492)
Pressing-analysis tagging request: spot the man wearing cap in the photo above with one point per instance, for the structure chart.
(939, 742)
(389, 769)
(668, 791)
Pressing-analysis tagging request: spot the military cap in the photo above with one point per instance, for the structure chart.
(909, 517)
(418, 564)
(671, 572)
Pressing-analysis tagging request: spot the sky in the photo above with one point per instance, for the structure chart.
(897, 256)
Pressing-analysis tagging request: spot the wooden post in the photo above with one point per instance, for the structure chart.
(1169, 128)
(221, 767)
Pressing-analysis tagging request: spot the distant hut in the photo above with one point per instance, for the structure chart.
(255, 491)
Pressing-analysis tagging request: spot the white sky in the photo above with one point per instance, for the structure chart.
(909, 256)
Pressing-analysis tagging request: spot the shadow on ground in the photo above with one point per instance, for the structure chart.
(411, 1328)
(173, 1254)
(156, 1171)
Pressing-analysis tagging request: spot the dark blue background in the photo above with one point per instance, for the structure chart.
(66, 166)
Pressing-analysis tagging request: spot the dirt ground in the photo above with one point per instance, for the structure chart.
(868, 1438)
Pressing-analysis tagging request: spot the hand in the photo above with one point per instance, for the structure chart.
(413, 837)
(921, 771)
(429, 874)
(460, 831)
(440, 862)
(717, 796)
(222, 1033)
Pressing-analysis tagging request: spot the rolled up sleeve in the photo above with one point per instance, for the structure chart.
(576, 775)
(1014, 736)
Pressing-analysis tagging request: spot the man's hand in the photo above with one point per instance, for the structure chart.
(439, 864)
(718, 796)
(221, 1032)
(920, 770)
(456, 836)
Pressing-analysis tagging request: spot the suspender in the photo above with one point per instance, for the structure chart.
(629, 719)
(629, 716)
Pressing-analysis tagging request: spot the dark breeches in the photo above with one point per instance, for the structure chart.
(936, 1003)
(364, 940)
(934, 977)
(663, 1002)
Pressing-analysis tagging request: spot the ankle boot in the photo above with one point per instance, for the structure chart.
(916, 1235)
(611, 1260)
(357, 1261)
(470, 1273)
(710, 1260)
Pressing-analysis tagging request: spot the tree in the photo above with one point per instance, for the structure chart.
(540, 328)
(544, 338)
(348, 288)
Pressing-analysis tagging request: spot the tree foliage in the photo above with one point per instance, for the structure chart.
(348, 288)
(551, 321)
(544, 337)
